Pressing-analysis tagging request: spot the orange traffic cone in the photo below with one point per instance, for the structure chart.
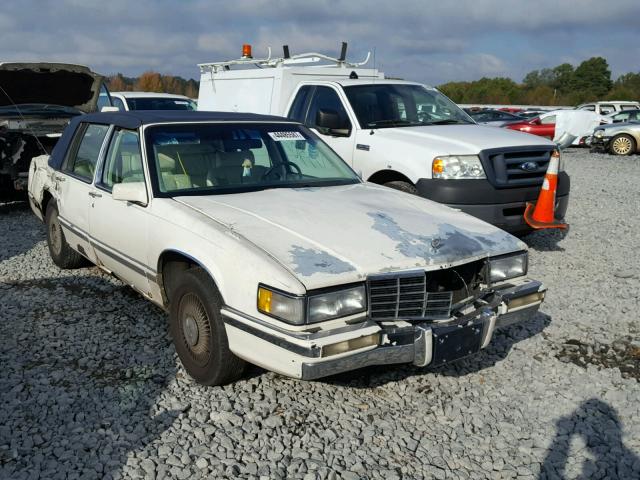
(543, 215)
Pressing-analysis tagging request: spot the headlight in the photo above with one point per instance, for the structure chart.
(337, 304)
(598, 133)
(299, 310)
(280, 305)
(507, 266)
(457, 167)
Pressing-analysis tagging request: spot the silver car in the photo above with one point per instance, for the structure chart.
(617, 138)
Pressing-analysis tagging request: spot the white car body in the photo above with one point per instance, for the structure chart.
(122, 100)
(607, 108)
(297, 240)
(389, 154)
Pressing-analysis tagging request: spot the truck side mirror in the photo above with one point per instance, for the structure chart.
(134, 192)
(331, 121)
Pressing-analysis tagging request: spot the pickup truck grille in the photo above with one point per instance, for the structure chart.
(423, 296)
(516, 166)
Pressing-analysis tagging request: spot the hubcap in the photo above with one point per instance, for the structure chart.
(55, 235)
(195, 327)
(191, 331)
(622, 145)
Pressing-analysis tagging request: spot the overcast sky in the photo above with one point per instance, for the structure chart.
(428, 41)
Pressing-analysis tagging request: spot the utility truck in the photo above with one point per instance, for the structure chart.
(396, 133)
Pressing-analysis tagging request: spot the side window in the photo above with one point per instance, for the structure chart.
(548, 120)
(104, 99)
(296, 112)
(123, 162)
(327, 99)
(83, 158)
(605, 109)
(118, 103)
(591, 108)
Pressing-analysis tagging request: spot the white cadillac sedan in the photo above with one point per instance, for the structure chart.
(264, 246)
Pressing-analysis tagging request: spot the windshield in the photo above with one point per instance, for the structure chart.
(27, 109)
(161, 103)
(212, 158)
(399, 105)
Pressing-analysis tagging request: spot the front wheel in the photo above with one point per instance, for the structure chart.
(61, 252)
(198, 330)
(622, 145)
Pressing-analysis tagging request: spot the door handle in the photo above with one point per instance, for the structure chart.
(59, 178)
(95, 195)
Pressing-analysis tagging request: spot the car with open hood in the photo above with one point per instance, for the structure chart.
(37, 100)
(265, 246)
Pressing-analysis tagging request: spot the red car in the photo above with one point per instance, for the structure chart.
(544, 126)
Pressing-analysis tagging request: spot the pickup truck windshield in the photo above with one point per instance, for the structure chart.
(400, 105)
(215, 158)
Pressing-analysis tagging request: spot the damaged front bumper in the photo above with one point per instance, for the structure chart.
(311, 356)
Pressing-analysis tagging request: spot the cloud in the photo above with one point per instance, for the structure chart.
(423, 41)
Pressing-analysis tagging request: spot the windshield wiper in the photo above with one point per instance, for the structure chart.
(448, 121)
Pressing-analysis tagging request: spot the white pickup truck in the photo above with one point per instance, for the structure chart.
(264, 246)
(396, 133)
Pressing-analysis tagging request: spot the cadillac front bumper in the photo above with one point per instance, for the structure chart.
(314, 356)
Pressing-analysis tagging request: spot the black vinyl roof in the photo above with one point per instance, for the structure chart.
(137, 118)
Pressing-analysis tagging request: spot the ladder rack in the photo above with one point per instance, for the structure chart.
(269, 62)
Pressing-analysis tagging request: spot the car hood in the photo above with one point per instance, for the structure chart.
(458, 139)
(334, 235)
(50, 83)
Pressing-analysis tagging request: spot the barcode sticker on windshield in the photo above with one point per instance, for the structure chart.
(284, 136)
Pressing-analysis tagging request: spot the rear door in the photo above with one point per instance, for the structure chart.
(119, 229)
(74, 185)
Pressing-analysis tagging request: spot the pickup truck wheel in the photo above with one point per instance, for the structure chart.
(622, 145)
(61, 253)
(198, 330)
(402, 186)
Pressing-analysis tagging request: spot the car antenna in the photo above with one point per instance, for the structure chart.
(374, 79)
(44, 150)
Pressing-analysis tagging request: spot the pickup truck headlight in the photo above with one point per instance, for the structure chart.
(508, 266)
(280, 305)
(337, 304)
(457, 167)
(300, 310)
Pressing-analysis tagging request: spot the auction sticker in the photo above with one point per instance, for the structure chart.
(284, 136)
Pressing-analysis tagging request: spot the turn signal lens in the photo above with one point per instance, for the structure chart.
(264, 300)
(526, 300)
(437, 167)
(349, 345)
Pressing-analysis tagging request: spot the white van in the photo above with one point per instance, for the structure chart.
(401, 134)
(607, 108)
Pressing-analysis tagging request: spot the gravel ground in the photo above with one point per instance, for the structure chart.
(90, 386)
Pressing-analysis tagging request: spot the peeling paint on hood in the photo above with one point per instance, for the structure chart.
(333, 235)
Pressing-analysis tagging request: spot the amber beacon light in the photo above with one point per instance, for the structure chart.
(246, 51)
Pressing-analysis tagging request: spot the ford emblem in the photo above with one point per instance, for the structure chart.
(529, 166)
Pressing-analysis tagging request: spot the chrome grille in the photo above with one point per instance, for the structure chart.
(504, 166)
(405, 296)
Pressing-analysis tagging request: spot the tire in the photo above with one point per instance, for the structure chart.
(61, 253)
(622, 145)
(198, 330)
(402, 186)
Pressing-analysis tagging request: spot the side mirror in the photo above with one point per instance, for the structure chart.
(536, 122)
(331, 121)
(108, 108)
(134, 192)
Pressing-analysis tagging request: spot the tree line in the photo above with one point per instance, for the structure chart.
(561, 85)
(153, 82)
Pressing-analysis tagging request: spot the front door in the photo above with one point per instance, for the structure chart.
(119, 229)
(74, 186)
(327, 98)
